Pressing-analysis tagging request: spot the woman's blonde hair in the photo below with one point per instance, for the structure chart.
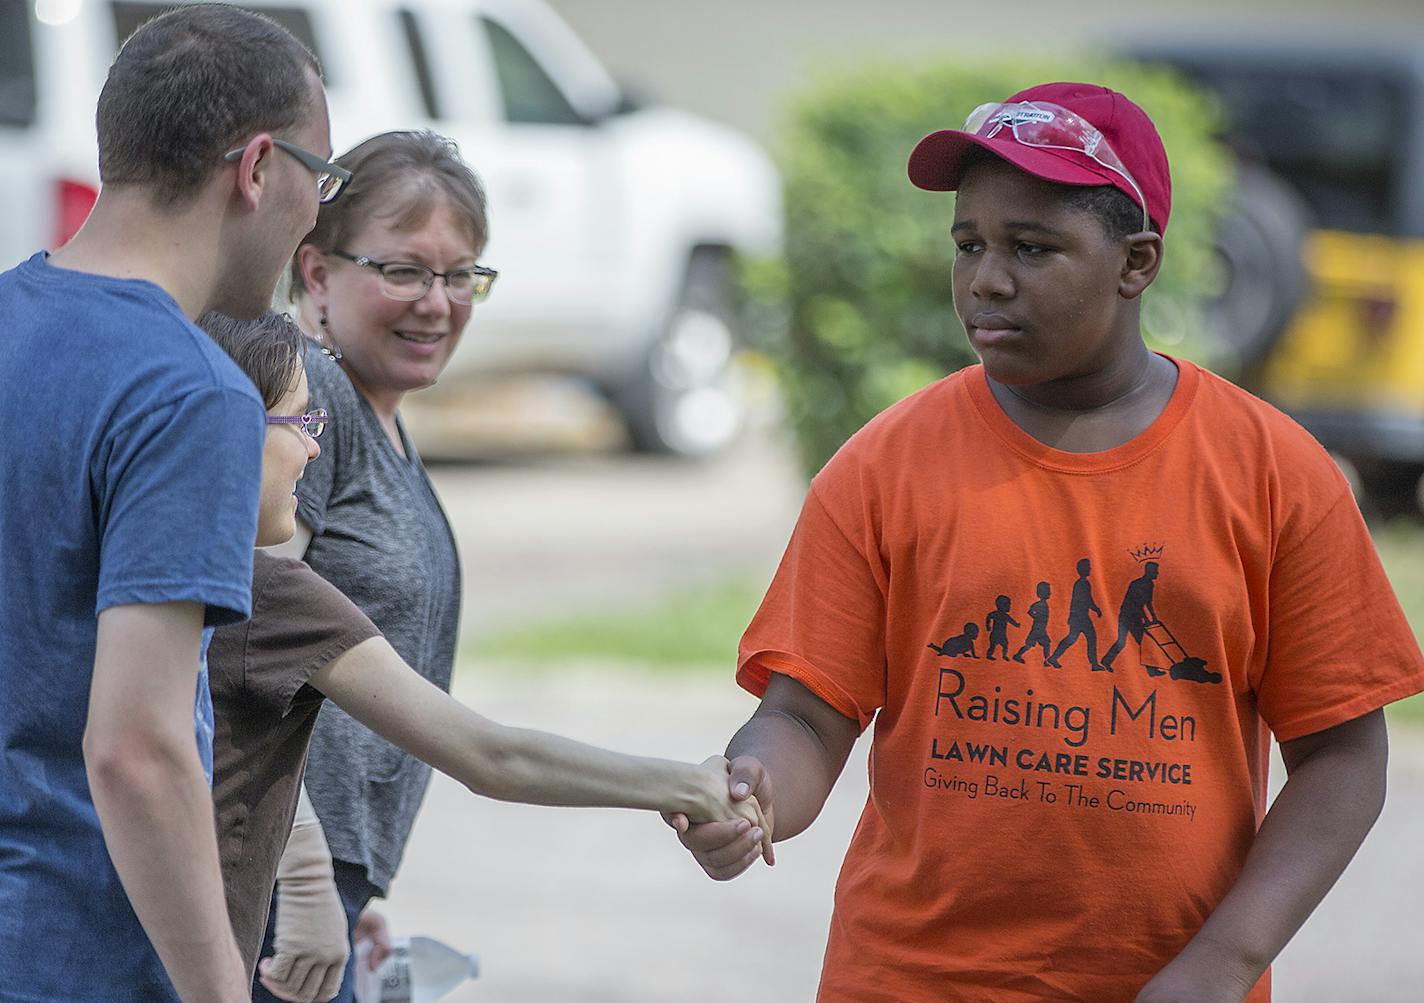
(401, 177)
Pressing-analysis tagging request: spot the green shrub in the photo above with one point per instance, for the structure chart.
(859, 313)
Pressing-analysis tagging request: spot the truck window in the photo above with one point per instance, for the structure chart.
(419, 63)
(129, 14)
(17, 66)
(529, 96)
(1338, 137)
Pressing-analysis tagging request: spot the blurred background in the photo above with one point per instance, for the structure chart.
(712, 271)
(738, 61)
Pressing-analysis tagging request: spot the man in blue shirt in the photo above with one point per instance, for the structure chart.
(130, 458)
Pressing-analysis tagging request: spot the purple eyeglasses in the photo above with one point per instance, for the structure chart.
(313, 422)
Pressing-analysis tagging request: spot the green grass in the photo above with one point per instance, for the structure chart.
(700, 627)
(1401, 549)
(692, 628)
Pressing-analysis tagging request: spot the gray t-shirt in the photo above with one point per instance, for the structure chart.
(381, 537)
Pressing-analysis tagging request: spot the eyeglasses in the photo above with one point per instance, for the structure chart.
(329, 177)
(1052, 127)
(408, 282)
(313, 422)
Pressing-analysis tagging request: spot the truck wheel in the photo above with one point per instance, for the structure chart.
(687, 398)
(1260, 243)
(1391, 488)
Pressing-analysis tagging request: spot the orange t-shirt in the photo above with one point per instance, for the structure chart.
(1038, 832)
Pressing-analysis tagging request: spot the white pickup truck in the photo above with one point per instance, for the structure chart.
(613, 225)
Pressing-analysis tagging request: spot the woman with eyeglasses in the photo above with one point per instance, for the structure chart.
(306, 642)
(384, 284)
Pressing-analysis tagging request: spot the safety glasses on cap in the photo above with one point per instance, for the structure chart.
(1051, 127)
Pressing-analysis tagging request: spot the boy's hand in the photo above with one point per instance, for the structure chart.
(726, 849)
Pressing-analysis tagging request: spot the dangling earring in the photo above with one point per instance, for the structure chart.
(333, 352)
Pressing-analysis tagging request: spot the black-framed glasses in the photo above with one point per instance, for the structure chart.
(329, 177)
(407, 281)
(313, 422)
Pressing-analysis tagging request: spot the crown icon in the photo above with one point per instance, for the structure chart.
(1148, 552)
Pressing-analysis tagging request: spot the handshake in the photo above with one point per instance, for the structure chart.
(727, 847)
(806, 741)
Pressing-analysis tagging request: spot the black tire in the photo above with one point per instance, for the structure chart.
(1390, 489)
(686, 398)
(1260, 246)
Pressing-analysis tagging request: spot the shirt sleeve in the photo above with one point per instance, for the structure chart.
(1340, 646)
(822, 621)
(176, 490)
(331, 389)
(300, 624)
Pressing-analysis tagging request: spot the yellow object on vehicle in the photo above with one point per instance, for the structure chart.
(1323, 242)
(1350, 364)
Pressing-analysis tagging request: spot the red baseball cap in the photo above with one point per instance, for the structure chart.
(938, 160)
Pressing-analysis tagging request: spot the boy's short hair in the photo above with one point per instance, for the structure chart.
(269, 350)
(939, 160)
(1119, 215)
(189, 85)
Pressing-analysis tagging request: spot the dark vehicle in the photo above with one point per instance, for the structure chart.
(1325, 243)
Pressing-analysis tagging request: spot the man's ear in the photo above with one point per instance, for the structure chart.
(312, 263)
(254, 169)
(1140, 268)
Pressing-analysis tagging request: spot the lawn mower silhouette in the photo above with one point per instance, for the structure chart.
(1185, 667)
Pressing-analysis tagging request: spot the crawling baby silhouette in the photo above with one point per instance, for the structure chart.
(956, 647)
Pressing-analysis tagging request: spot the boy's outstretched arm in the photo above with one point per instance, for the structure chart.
(795, 744)
(372, 684)
(1334, 793)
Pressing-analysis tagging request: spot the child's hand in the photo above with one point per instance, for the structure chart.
(721, 805)
(750, 809)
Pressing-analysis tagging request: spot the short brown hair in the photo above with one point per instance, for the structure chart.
(400, 176)
(189, 85)
(269, 350)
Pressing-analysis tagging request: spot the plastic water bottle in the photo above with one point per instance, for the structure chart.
(419, 970)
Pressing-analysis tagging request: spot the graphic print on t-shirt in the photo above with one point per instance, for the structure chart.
(959, 646)
(1038, 633)
(1137, 620)
(1080, 624)
(979, 706)
(997, 623)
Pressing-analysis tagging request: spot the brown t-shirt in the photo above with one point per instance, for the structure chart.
(264, 712)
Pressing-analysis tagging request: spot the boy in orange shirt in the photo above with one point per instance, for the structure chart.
(1055, 832)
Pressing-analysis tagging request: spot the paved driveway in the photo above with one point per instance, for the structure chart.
(546, 536)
